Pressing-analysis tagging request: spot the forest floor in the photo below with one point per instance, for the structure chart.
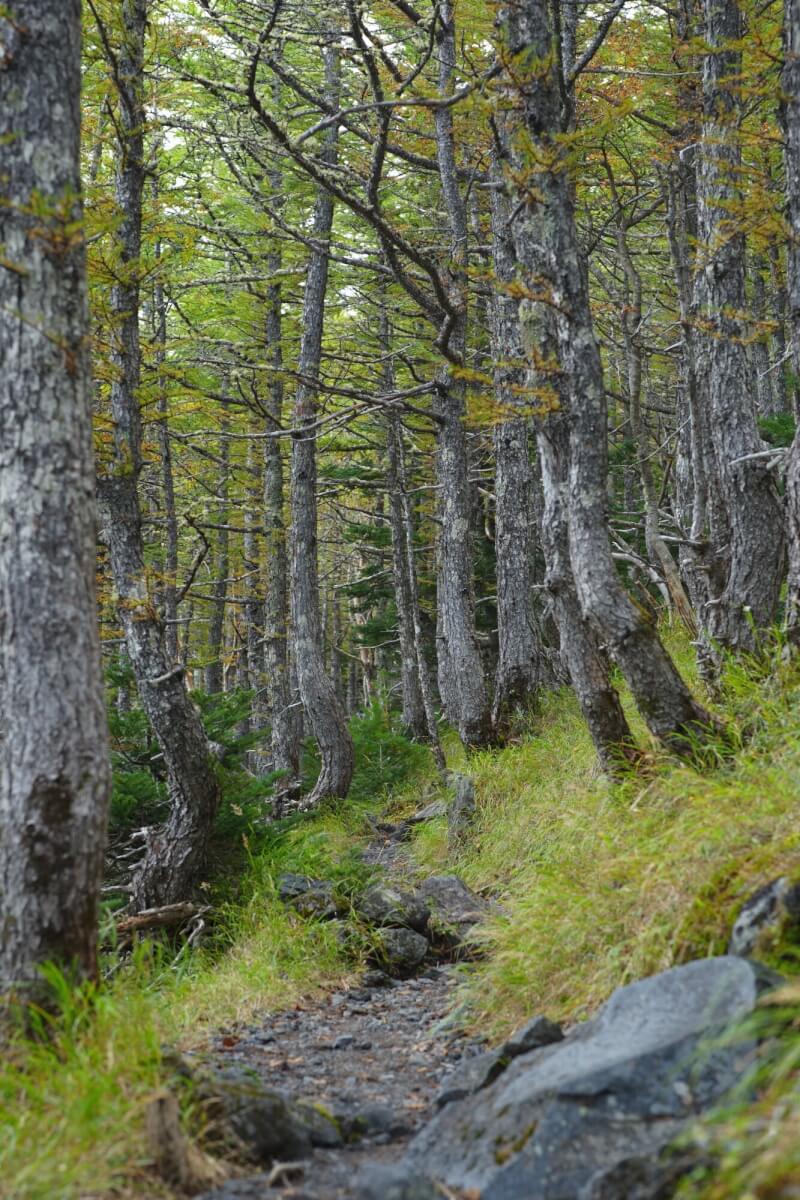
(373, 1054)
(594, 885)
(377, 1054)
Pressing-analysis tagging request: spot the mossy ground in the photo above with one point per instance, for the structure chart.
(598, 884)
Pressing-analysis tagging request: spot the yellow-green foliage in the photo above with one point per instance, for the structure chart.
(601, 884)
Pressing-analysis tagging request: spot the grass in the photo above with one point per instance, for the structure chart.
(601, 884)
(597, 884)
(73, 1100)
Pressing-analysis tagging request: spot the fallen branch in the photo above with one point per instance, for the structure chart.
(166, 917)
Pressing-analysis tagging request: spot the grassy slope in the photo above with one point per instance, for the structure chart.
(601, 884)
(598, 885)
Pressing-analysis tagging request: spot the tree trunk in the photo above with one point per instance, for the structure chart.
(790, 86)
(285, 737)
(547, 245)
(460, 670)
(54, 765)
(219, 587)
(319, 698)
(520, 657)
(175, 854)
(586, 664)
(631, 317)
(413, 705)
(751, 548)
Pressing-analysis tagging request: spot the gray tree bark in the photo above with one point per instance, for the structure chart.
(214, 674)
(460, 670)
(325, 714)
(520, 656)
(750, 550)
(54, 764)
(413, 705)
(790, 117)
(547, 245)
(175, 853)
(285, 725)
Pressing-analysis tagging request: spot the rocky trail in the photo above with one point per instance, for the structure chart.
(374, 1093)
(372, 1057)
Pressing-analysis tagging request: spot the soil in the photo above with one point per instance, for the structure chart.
(380, 1053)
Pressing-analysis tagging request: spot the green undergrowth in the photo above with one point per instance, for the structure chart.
(599, 884)
(73, 1098)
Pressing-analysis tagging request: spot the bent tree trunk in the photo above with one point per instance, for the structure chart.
(751, 552)
(54, 765)
(587, 665)
(547, 244)
(175, 853)
(317, 692)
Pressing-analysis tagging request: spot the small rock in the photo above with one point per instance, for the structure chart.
(455, 908)
(264, 1122)
(771, 907)
(394, 1183)
(539, 1031)
(437, 808)
(461, 813)
(312, 898)
(344, 1041)
(322, 1126)
(383, 904)
(482, 1069)
(376, 979)
(403, 949)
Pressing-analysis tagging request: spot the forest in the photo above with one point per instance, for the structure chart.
(400, 599)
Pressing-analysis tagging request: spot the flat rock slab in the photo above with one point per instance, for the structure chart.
(561, 1120)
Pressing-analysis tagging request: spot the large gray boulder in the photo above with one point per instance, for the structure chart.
(561, 1122)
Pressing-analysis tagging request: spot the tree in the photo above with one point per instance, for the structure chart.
(316, 689)
(790, 87)
(750, 564)
(548, 247)
(54, 764)
(175, 853)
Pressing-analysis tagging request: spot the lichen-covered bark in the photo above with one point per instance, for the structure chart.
(284, 719)
(460, 671)
(547, 244)
(520, 654)
(790, 81)
(54, 764)
(175, 852)
(750, 548)
(324, 711)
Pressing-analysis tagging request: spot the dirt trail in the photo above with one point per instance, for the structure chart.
(376, 1055)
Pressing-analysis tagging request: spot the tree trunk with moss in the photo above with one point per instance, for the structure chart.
(54, 758)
